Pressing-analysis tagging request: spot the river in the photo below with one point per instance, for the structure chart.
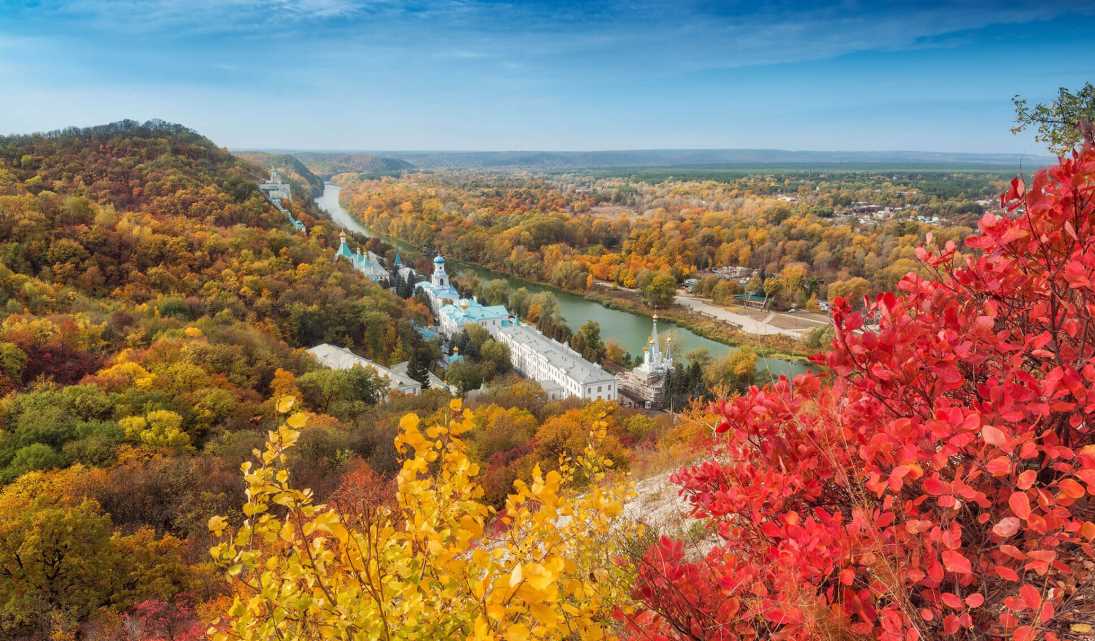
(628, 329)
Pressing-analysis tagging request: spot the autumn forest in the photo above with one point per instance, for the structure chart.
(176, 465)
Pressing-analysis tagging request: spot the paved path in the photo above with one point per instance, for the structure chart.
(745, 323)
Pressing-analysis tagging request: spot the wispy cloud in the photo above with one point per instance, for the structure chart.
(555, 68)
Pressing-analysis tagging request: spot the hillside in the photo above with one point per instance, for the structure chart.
(156, 306)
(328, 164)
(305, 184)
(126, 164)
(154, 301)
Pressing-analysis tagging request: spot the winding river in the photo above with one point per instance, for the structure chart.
(628, 329)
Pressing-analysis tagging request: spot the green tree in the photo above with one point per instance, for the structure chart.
(341, 392)
(494, 357)
(12, 362)
(1062, 124)
(736, 370)
(418, 366)
(493, 292)
(587, 342)
(853, 290)
(61, 560)
(659, 290)
(465, 376)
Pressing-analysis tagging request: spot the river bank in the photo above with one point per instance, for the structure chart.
(626, 322)
(771, 345)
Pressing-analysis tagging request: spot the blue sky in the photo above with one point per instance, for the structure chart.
(491, 74)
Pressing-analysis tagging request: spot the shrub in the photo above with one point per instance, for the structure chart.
(940, 484)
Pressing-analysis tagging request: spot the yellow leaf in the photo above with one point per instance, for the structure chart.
(217, 525)
(539, 576)
(516, 576)
(1081, 628)
(409, 422)
(517, 632)
(285, 403)
(482, 629)
(297, 420)
(456, 404)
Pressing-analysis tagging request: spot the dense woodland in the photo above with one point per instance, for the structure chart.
(573, 230)
(154, 304)
(173, 465)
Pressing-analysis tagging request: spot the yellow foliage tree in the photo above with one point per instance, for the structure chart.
(438, 564)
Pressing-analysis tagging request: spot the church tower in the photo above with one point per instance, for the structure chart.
(440, 278)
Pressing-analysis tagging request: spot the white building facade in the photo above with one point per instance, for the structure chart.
(438, 289)
(560, 370)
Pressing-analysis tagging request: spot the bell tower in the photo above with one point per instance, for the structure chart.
(440, 277)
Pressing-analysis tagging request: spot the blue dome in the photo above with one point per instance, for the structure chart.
(439, 261)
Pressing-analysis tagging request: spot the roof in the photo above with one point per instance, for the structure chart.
(557, 354)
(336, 357)
(473, 312)
(435, 380)
(440, 260)
(426, 332)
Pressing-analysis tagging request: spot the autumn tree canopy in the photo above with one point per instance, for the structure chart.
(939, 484)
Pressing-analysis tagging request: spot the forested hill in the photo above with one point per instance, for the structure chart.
(370, 165)
(127, 164)
(154, 302)
(709, 158)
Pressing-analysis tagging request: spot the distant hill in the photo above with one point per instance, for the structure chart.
(128, 164)
(561, 160)
(328, 164)
(303, 181)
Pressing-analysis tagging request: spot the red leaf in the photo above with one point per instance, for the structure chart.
(1030, 595)
(999, 466)
(1026, 480)
(952, 600)
(1020, 504)
(1071, 489)
(975, 600)
(1007, 527)
(955, 562)
(1023, 633)
(994, 436)
(932, 485)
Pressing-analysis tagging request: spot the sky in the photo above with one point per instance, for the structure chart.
(572, 75)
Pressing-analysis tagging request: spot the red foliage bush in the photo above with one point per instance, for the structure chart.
(154, 620)
(940, 482)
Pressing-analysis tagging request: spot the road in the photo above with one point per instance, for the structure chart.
(760, 326)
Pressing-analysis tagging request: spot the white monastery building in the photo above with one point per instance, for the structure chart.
(560, 370)
(439, 290)
(336, 357)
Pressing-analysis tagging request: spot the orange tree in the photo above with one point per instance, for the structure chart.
(939, 483)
